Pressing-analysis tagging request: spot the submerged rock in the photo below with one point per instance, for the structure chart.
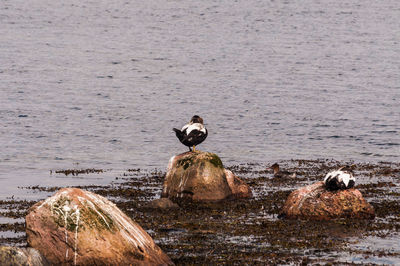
(317, 203)
(238, 187)
(14, 256)
(163, 203)
(200, 176)
(79, 227)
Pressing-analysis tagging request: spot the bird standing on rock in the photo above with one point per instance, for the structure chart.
(339, 179)
(193, 133)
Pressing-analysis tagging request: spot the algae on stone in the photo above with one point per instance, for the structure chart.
(216, 161)
(14, 256)
(73, 217)
(196, 176)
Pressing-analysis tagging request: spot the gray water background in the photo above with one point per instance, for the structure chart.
(101, 83)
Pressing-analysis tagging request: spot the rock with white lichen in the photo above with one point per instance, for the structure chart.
(82, 228)
(14, 256)
(200, 176)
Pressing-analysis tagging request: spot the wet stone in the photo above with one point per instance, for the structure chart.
(163, 203)
(15, 256)
(79, 227)
(201, 176)
(316, 203)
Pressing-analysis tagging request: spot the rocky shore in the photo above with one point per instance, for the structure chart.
(249, 230)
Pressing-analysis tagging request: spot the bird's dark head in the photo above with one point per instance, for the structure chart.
(196, 119)
(347, 168)
(274, 167)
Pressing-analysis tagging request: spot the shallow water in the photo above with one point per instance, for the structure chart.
(376, 244)
(102, 83)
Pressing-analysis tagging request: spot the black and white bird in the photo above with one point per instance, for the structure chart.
(193, 133)
(281, 173)
(339, 179)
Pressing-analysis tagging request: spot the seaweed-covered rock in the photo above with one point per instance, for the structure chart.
(200, 176)
(79, 227)
(316, 203)
(14, 256)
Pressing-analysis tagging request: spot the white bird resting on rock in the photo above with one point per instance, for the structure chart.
(339, 179)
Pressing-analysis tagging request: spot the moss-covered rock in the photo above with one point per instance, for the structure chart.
(14, 256)
(79, 227)
(200, 176)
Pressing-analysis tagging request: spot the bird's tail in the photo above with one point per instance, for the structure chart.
(179, 134)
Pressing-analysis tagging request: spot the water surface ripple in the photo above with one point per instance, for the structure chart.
(102, 83)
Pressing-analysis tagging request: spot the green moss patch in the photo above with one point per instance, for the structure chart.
(62, 218)
(88, 216)
(97, 218)
(189, 160)
(215, 160)
(186, 162)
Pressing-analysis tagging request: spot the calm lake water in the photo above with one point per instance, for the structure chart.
(101, 83)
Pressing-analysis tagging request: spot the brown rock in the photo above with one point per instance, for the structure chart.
(316, 203)
(238, 187)
(79, 227)
(14, 256)
(200, 176)
(163, 203)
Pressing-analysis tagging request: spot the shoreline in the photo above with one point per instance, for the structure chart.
(248, 230)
